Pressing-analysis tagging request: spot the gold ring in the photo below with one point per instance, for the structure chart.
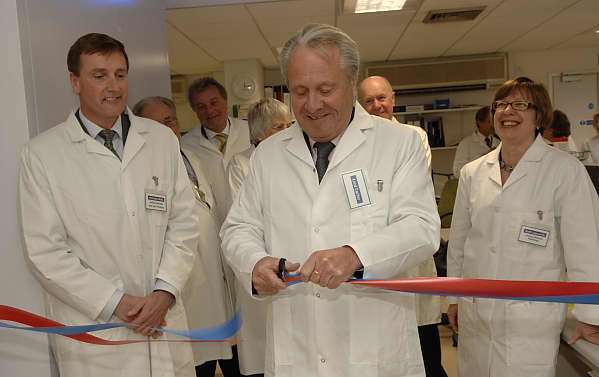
(316, 272)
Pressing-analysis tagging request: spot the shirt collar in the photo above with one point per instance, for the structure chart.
(210, 134)
(93, 129)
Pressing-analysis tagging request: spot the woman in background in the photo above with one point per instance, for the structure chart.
(265, 118)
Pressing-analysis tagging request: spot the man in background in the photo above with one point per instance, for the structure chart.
(478, 144)
(376, 96)
(206, 297)
(217, 138)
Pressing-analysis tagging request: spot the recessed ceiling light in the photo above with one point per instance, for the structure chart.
(596, 31)
(368, 6)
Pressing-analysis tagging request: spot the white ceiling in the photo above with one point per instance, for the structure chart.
(202, 34)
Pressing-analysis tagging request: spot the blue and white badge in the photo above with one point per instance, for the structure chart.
(156, 201)
(534, 235)
(355, 189)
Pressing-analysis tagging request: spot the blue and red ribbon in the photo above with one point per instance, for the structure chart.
(544, 291)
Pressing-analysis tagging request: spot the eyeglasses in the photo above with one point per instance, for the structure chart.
(516, 105)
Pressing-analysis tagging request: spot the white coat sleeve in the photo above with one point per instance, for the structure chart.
(460, 227)
(461, 157)
(182, 232)
(58, 270)
(411, 234)
(242, 232)
(578, 219)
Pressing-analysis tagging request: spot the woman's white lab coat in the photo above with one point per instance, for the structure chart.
(252, 335)
(283, 211)
(206, 297)
(548, 191)
(88, 232)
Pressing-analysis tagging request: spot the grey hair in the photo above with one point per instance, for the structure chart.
(261, 115)
(140, 106)
(319, 36)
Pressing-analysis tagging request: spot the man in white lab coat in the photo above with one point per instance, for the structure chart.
(479, 143)
(217, 138)
(206, 283)
(376, 96)
(342, 193)
(109, 223)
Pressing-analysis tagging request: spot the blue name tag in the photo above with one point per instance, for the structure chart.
(356, 189)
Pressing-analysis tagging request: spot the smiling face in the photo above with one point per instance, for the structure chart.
(376, 96)
(102, 87)
(321, 92)
(515, 127)
(211, 108)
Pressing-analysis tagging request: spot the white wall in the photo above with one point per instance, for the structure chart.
(49, 28)
(21, 354)
(34, 39)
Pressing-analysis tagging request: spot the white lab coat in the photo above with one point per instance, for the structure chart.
(471, 148)
(206, 296)
(214, 162)
(252, 335)
(283, 211)
(547, 190)
(87, 232)
(428, 308)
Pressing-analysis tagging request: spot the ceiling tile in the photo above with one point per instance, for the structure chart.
(185, 57)
(588, 38)
(578, 18)
(375, 34)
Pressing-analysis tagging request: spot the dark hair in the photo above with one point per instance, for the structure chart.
(560, 126)
(93, 43)
(482, 114)
(537, 93)
(203, 83)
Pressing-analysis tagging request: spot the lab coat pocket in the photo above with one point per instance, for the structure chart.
(282, 324)
(364, 328)
(533, 332)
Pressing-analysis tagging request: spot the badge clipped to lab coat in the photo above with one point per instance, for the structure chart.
(355, 189)
(534, 235)
(156, 201)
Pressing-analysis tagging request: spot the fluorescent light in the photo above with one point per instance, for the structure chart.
(596, 31)
(367, 6)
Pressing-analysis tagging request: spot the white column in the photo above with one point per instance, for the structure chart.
(21, 354)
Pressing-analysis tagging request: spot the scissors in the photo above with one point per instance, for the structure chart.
(286, 276)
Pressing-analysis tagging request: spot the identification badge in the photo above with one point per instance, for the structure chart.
(155, 201)
(355, 189)
(534, 235)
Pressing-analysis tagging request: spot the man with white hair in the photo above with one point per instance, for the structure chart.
(328, 194)
(376, 96)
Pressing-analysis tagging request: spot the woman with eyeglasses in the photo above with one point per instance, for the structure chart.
(525, 211)
(265, 118)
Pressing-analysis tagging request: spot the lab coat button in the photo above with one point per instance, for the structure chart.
(316, 229)
(493, 250)
(317, 294)
(323, 360)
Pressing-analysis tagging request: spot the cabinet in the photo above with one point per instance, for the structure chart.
(456, 123)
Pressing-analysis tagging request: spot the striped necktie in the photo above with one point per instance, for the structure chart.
(222, 139)
(108, 136)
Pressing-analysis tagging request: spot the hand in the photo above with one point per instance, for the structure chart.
(127, 303)
(586, 331)
(452, 315)
(264, 276)
(149, 313)
(329, 268)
